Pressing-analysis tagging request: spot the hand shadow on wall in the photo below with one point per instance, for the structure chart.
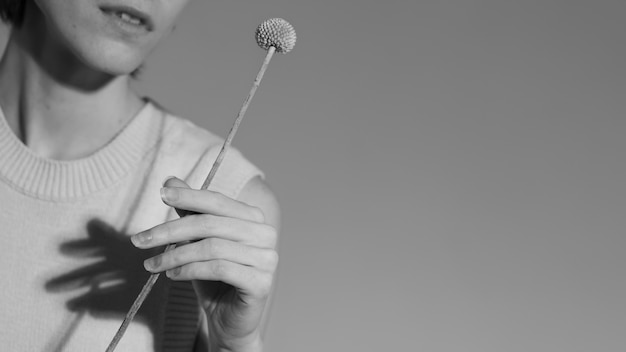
(112, 283)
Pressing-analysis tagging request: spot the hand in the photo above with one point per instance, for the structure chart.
(230, 254)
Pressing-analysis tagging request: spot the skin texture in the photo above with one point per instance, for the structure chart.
(97, 43)
(233, 242)
(64, 74)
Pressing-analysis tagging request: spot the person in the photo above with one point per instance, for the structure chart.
(85, 214)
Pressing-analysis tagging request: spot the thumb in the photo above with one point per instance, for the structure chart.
(174, 181)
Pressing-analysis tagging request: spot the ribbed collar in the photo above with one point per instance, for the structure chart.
(65, 180)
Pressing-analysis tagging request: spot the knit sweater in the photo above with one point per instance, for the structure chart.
(70, 272)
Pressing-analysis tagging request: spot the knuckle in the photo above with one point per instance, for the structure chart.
(257, 214)
(213, 248)
(204, 248)
(215, 199)
(181, 259)
(220, 269)
(199, 249)
(271, 259)
(270, 235)
(172, 259)
(207, 223)
(264, 285)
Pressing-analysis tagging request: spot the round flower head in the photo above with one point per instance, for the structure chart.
(278, 33)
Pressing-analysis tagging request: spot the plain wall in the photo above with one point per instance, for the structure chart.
(451, 173)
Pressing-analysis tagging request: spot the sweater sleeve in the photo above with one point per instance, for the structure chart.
(188, 152)
(234, 172)
(193, 150)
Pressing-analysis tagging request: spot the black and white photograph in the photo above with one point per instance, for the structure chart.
(293, 175)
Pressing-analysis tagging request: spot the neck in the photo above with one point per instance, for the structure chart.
(57, 106)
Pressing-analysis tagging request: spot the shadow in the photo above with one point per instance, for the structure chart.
(58, 345)
(108, 286)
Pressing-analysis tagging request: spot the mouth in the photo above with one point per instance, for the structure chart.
(129, 15)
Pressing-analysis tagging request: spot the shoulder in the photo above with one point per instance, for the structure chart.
(196, 147)
(179, 132)
(257, 193)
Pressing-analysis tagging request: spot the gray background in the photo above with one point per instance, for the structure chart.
(451, 172)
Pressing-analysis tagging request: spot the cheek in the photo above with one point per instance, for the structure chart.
(112, 56)
(56, 10)
(81, 28)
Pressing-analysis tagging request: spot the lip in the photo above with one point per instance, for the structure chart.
(144, 17)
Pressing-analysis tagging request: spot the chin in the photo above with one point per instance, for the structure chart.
(119, 68)
(113, 61)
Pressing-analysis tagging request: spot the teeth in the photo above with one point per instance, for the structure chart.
(128, 18)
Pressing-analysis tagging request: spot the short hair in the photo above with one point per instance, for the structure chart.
(12, 11)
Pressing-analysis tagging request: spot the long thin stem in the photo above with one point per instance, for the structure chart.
(242, 112)
(218, 161)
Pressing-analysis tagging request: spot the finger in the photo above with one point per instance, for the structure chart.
(254, 282)
(212, 249)
(209, 202)
(174, 181)
(200, 226)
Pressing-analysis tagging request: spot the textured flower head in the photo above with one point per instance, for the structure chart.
(278, 33)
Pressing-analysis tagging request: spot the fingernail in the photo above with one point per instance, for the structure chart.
(141, 239)
(152, 263)
(167, 179)
(169, 194)
(172, 273)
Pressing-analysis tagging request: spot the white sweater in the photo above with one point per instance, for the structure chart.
(70, 272)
